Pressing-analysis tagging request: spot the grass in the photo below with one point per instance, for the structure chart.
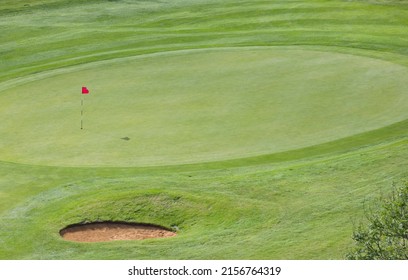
(221, 173)
(200, 106)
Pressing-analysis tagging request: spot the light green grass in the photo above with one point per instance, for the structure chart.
(210, 163)
(199, 106)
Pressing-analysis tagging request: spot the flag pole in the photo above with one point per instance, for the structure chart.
(84, 91)
(82, 111)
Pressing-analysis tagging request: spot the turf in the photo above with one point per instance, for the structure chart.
(199, 106)
(259, 129)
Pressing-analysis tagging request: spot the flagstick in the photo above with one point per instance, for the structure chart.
(82, 111)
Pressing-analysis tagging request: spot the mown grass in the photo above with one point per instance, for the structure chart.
(199, 106)
(299, 204)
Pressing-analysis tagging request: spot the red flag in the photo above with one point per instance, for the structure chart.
(85, 90)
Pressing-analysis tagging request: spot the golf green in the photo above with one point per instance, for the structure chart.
(197, 106)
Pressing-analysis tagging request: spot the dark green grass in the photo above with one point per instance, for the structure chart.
(299, 204)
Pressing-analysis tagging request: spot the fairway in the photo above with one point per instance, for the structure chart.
(240, 129)
(199, 106)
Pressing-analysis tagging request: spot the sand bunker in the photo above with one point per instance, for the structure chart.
(111, 231)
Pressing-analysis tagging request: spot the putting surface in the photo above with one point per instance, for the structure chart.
(198, 106)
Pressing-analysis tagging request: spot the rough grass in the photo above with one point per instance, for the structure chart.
(291, 205)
